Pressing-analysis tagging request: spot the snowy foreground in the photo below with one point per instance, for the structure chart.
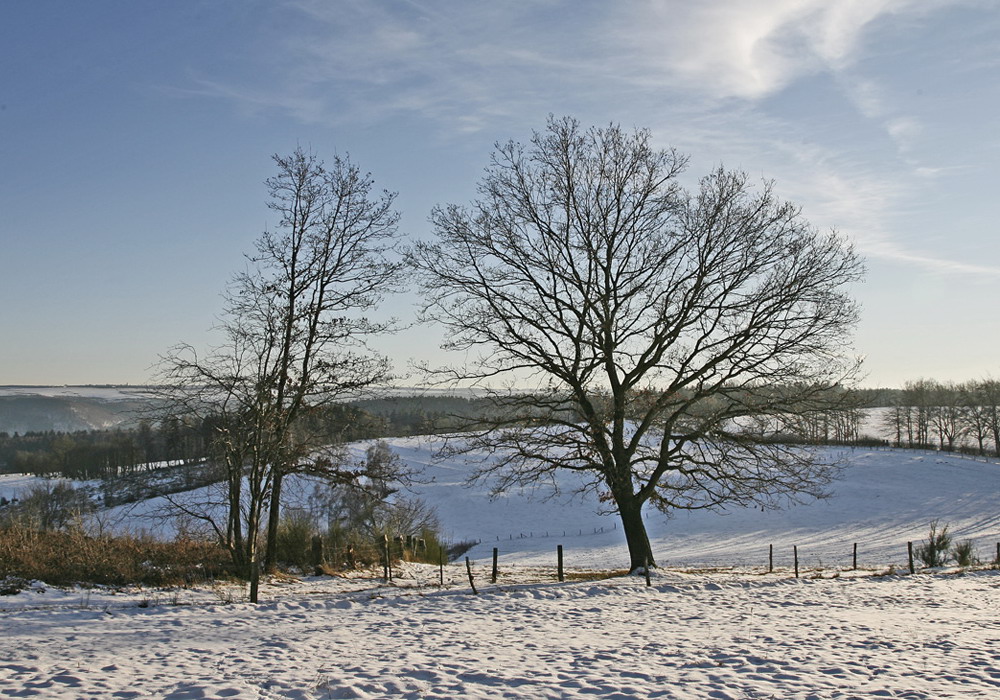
(733, 631)
(687, 636)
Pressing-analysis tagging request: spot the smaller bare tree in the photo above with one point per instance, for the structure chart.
(295, 325)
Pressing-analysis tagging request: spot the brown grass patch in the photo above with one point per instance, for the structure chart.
(594, 575)
(67, 557)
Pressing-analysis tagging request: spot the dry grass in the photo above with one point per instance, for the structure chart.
(67, 557)
(577, 575)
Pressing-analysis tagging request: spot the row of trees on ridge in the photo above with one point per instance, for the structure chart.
(946, 416)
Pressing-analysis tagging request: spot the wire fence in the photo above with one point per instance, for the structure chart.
(788, 561)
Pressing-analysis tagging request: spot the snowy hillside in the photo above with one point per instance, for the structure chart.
(731, 634)
(883, 499)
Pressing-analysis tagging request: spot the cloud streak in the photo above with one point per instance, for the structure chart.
(750, 49)
(449, 60)
(702, 70)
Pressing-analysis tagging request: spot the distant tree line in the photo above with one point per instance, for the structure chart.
(101, 454)
(947, 416)
(923, 414)
(105, 454)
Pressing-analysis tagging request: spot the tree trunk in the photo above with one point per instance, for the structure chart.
(639, 551)
(234, 530)
(251, 543)
(273, 516)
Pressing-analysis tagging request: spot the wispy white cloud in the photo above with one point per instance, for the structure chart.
(250, 99)
(447, 62)
(878, 208)
(749, 49)
(869, 208)
(752, 50)
(695, 72)
(448, 59)
(904, 130)
(867, 95)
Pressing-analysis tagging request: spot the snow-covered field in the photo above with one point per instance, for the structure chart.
(687, 636)
(732, 633)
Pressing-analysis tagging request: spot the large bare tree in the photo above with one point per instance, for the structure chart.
(654, 325)
(295, 328)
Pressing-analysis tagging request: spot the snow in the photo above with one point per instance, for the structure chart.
(106, 393)
(20, 485)
(687, 636)
(732, 631)
(882, 500)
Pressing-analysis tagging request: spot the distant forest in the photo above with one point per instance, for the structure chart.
(101, 454)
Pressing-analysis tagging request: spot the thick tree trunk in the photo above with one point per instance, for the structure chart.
(639, 551)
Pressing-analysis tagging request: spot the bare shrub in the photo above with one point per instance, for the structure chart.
(49, 505)
(934, 552)
(294, 540)
(963, 553)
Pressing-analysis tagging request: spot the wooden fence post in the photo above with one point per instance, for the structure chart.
(998, 553)
(495, 553)
(770, 558)
(795, 551)
(909, 551)
(387, 565)
(559, 560)
(472, 584)
(854, 567)
(440, 567)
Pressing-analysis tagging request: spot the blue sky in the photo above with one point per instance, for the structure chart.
(135, 137)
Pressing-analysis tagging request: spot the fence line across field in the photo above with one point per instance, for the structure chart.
(766, 562)
(782, 554)
(959, 453)
(580, 532)
(795, 561)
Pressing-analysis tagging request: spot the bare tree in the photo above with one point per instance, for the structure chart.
(988, 396)
(649, 320)
(376, 507)
(975, 416)
(835, 418)
(981, 399)
(295, 333)
(895, 421)
(917, 400)
(948, 414)
(48, 505)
